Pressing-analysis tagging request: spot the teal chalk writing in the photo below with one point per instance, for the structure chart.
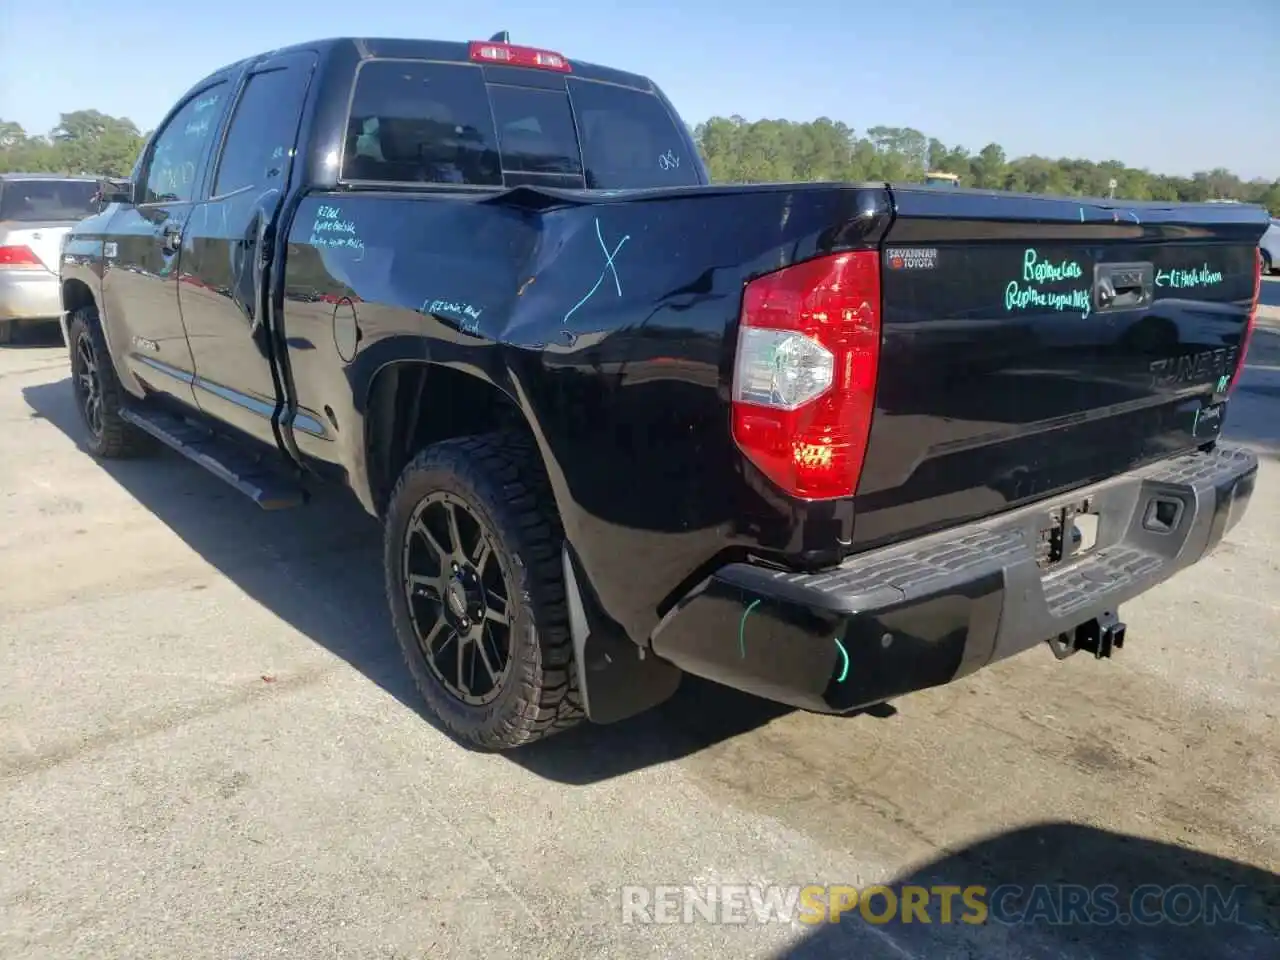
(1042, 271)
(1181, 279)
(608, 266)
(330, 229)
(742, 628)
(470, 316)
(1029, 294)
(1021, 298)
(844, 671)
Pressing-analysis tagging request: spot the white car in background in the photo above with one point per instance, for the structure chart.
(36, 209)
(1270, 246)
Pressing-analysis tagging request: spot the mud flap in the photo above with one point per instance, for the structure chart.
(616, 678)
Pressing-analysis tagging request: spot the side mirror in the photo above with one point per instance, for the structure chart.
(115, 191)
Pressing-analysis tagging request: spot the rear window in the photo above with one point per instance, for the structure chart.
(629, 139)
(32, 200)
(535, 131)
(441, 123)
(415, 122)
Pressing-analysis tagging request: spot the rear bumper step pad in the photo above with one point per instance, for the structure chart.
(929, 611)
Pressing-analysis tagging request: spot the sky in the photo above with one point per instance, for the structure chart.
(1174, 86)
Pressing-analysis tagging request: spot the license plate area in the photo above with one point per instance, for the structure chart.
(1066, 533)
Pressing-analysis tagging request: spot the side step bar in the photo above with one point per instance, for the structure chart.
(265, 484)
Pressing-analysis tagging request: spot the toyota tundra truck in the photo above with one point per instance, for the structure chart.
(827, 443)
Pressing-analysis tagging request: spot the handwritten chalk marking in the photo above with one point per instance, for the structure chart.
(608, 266)
(742, 637)
(844, 653)
(470, 322)
(1197, 277)
(1042, 271)
(330, 230)
(1038, 271)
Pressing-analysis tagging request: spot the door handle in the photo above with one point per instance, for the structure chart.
(171, 236)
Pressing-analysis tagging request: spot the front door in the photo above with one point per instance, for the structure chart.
(227, 249)
(142, 247)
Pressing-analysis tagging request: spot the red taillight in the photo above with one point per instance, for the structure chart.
(18, 256)
(512, 56)
(1251, 320)
(804, 378)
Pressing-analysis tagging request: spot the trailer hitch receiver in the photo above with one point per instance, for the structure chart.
(1101, 635)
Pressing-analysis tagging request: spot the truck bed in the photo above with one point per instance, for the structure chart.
(615, 315)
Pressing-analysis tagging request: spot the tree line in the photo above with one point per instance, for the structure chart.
(740, 151)
(83, 142)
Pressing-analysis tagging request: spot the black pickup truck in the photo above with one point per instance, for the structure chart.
(828, 443)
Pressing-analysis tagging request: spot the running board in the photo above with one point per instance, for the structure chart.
(265, 484)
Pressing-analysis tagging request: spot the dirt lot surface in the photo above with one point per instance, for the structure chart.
(208, 748)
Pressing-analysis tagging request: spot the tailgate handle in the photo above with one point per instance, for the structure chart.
(1122, 286)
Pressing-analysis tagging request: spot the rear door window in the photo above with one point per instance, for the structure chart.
(629, 138)
(260, 139)
(416, 122)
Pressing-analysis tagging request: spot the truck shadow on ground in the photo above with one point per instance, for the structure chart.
(1136, 898)
(319, 569)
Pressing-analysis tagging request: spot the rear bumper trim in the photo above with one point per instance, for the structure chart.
(29, 295)
(931, 610)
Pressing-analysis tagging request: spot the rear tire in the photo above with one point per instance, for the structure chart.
(475, 585)
(99, 396)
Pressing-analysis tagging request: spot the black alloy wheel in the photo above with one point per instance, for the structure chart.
(87, 382)
(458, 598)
(475, 585)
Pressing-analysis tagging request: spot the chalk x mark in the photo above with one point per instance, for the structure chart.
(608, 267)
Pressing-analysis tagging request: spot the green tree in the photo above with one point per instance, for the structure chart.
(84, 141)
(741, 151)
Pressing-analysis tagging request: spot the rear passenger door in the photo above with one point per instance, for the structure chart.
(228, 248)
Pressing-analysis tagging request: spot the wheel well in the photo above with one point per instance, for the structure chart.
(76, 294)
(414, 404)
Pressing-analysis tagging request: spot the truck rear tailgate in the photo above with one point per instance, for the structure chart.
(1033, 344)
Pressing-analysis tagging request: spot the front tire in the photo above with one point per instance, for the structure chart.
(99, 396)
(476, 590)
